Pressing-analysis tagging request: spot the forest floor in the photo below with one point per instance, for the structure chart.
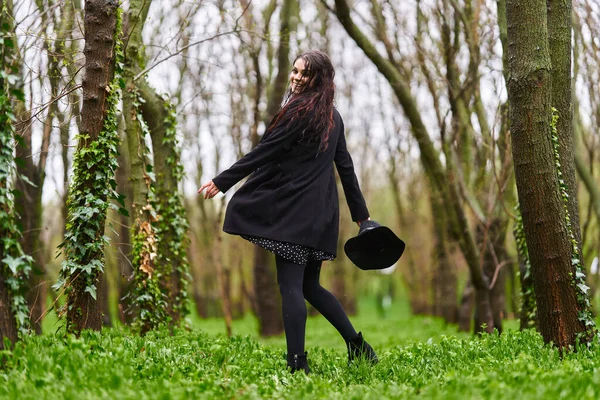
(420, 357)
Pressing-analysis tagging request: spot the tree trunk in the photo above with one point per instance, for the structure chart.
(83, 311)
(223, 282)
(528, 312)
(339, 289)
(173, 225)
(465, 311)
(492, 238)
(268, 298)
(29, 208)
(339, 277)
(8, 227)
(123, 242)
(542, 207)
(150, 302)
(200, 299)
(8, 324)
(560, 25)
(444, 277)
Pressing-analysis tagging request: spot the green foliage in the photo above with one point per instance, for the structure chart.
(91, 192)
(515, 365)
(579, 282)
(148, 300)
(528, 305)
(14, 264)
(172, 223)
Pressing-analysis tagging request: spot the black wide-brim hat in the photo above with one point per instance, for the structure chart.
(375, 247)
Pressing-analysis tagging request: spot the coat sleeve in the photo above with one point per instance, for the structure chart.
(267, 150)
(345, 168)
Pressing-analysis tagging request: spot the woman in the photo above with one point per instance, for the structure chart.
(289, 205)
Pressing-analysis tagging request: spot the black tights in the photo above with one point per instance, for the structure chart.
(296, 283)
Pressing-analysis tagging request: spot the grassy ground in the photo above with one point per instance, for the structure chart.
(396, 327)
(420, 358)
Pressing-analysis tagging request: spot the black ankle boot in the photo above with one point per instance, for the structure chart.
(358, 348)
(297, 362)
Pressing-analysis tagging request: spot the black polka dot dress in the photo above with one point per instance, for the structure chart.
(293, 252)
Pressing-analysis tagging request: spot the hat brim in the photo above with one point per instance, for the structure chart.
(377, 248)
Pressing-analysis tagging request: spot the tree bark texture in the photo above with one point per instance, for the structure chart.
(8, 324)
(29, 208)
(444, 277)
(100, 22)
(135, 141)
(560, 26)
(492, 238)
(528, 311)
(530, 103)
(122, 246)
(465, 309)
(268, 298)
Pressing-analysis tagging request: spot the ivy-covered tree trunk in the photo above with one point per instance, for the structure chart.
(29, 209)
(536, 169)
(528, 310)
(93, 170)
(14, 265)
(28, 185)
(123, 245)
(8, 323)
(148, 297)
(172, 225)
(560, 26)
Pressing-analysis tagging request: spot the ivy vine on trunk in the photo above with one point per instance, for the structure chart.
(528, 307)
(94, 166)
(148, 300)
(14, 264)
(172, 224)
(579, 282)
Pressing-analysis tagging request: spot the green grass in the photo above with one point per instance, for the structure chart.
(398, 327)
(419, 358)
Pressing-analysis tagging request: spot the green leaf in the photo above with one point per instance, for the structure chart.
(59, 283)
(91, 290)
(12, 263)
(25, 179)
(12, 79)
(19, 94)
(583, 287)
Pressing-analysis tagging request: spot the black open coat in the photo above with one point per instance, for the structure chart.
(292, 195)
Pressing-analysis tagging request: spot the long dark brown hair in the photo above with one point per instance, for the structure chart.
(314, 102)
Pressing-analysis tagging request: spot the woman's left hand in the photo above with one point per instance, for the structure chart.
(211, 190)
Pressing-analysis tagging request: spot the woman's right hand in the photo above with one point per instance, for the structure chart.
(211, 190)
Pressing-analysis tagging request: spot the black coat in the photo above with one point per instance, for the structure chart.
(292, 195)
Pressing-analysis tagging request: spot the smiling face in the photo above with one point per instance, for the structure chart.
(299, 76)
